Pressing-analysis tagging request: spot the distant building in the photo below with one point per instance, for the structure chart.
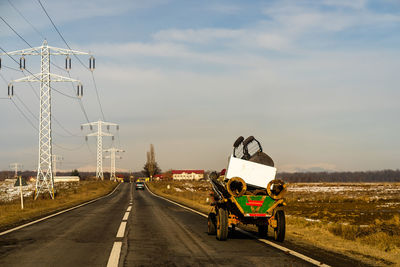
(158, 177)
(65, 179)
(187, 174)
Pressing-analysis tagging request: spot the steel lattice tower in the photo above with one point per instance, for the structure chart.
(44, 180)
(100, 133)
(56, 158)
(113, 157)
(15, 166)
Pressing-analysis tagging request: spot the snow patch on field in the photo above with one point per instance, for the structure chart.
(9, 192)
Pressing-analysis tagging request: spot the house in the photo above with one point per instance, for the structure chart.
(158, 177)
(187, 174)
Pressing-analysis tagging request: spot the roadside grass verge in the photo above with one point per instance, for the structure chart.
(376, 243)
(66, 195)
(195, 197)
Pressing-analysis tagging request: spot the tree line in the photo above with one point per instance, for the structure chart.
(360, 176)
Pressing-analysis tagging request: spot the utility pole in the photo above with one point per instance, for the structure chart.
(15, 166)
(56, 158)
(113, 156)
(45, 179)
(99, 134)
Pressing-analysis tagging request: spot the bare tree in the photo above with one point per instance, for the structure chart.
(151, 167)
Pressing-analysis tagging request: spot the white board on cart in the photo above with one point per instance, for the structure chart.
(252, 173)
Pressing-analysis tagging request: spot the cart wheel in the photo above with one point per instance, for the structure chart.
(222, 224)
(279, 231)
(263, 230)
(212, 221)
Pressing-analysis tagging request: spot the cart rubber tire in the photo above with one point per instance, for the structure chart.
(263, 230)
(212, 223)
(222, 224)
(279, 231)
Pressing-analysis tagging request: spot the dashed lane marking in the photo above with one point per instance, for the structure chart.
(126, 215)
(129, 208)
(121, 229)
(286, 250)
(115, 253)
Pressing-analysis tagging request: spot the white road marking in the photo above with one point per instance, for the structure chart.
(114, 256)
(126, 215)
(129, 208)
(121, 229)
(57, 213)
(286, 250)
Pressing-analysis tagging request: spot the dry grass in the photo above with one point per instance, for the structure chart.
(371, 249)
(67, 195)
(356, 221)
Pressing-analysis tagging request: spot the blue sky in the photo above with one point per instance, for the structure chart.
(315, 81)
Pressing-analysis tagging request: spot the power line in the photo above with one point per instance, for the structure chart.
(54, 118)
(62, 37)
(69, 149)
(26, 107)
(81, 104)
(98, 98)
(15, 31)
(27, 21)
(4, 79)
(79, 99)
(59, 33)
(38, 96)
(37, 77)
(23, 39)
(23, 114)
(7, 67)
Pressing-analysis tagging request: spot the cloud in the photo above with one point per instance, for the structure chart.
(355, 4)
(225, 8)
(197, 36)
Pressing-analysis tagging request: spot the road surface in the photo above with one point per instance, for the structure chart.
(157, 233)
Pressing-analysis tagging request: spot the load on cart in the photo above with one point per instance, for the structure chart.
(247, 193)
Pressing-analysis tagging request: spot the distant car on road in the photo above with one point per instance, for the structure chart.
(139, 185)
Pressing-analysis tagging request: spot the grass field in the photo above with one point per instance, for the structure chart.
(67, 195)
(359, 220)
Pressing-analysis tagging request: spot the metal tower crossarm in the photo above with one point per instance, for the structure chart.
(36, 51)
(40, 76)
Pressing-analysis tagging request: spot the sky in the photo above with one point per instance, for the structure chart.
(315, 81)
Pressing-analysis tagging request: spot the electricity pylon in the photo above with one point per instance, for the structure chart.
(113, 156)
(45, 179)
(56, 158)
(15, 166)
(100, 133)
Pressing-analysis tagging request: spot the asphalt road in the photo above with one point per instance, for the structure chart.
(81, 237)
(161, 233)
(158, 233)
